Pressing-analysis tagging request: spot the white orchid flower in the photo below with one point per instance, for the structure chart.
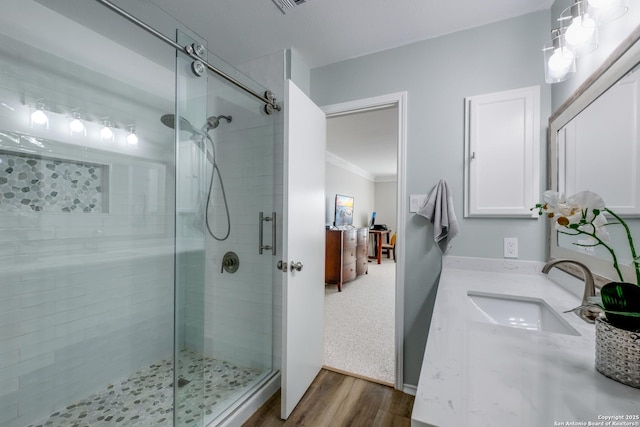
(589, 203)
(583, 213)
(584, 210)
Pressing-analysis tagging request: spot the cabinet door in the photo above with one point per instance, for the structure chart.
(502, 153)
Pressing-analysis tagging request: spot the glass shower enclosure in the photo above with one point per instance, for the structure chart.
(132, 291)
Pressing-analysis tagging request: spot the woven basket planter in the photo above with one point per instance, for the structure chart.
(618, 353)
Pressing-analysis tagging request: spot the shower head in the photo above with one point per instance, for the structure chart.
(213, 122)
(169, 120)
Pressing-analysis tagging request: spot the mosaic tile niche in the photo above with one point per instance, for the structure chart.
(41, 184)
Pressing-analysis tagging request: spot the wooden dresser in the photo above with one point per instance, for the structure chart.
(345, 255)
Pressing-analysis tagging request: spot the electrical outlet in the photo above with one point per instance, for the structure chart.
(511, 247)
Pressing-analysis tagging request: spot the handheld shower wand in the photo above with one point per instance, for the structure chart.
(199, 137)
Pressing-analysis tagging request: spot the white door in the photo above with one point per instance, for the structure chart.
(304, 234)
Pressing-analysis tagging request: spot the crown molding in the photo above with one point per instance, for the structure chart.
(346, 165)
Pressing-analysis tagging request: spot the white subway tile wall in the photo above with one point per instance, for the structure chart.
(237, 322)
(85, 298)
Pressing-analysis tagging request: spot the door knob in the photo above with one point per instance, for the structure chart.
(296, 266)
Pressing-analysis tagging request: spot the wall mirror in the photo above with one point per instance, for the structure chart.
(595, 145)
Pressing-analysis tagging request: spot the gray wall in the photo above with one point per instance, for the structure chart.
(438, 74)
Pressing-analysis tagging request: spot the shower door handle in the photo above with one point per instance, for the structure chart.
(261, 220)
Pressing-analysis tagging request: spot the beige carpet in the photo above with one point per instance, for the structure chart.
(359, 324)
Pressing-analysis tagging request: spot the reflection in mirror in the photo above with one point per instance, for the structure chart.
(598, 150)
(595, 146)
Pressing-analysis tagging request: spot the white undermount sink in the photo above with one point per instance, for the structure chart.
(520, 312)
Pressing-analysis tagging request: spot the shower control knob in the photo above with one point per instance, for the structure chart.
(296, 266)
(230, 263)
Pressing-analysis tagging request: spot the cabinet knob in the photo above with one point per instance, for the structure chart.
(296, 266)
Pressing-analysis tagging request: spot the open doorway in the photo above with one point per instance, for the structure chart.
(365, 160)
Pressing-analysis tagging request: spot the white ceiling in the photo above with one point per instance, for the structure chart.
(328, 31)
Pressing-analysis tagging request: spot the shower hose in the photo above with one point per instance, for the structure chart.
(216, 171)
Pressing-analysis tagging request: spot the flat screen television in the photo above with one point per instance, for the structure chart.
(344, 210)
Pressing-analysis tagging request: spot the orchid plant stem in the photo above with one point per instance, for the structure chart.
(600, 242)
(636, 265)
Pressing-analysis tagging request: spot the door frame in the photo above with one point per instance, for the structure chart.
(398, 100)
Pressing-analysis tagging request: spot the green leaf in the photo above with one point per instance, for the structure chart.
(624, 313)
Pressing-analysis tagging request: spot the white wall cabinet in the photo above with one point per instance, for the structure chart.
(502, 153)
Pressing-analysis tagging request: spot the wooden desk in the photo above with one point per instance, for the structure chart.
(377, 235)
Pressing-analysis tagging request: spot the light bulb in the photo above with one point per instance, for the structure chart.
(132, 138)
(106, 132)
(39, 117)
(76, 125)
(580, 31)
(560, 62)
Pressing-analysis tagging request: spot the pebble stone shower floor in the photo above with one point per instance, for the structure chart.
(146, 397)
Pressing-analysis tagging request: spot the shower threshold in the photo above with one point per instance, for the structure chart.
(206, 387)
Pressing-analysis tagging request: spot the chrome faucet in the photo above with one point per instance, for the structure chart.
(587, 311)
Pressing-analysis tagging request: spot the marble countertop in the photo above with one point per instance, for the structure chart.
(478, 374)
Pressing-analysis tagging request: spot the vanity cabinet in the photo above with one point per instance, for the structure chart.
(345, 255)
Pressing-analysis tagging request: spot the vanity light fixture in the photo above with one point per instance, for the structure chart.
(578, 35)
(559, 59)
(132, 138)
(106, 133)
(39, 117)
(44, 112)
(605, 11)
(75, 125)
(581, 33)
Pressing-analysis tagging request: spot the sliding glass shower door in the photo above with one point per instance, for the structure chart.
(132, 290)
(87, 193)
(224, 286)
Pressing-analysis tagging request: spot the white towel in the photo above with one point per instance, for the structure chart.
(439, 210)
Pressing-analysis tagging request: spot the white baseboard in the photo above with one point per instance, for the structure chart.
(243, 412)
(410, 389)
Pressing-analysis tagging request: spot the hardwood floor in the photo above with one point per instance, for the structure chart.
(339, 400)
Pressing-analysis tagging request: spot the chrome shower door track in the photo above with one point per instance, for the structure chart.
(270, 102)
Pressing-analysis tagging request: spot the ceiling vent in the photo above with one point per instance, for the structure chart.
(286, 5)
